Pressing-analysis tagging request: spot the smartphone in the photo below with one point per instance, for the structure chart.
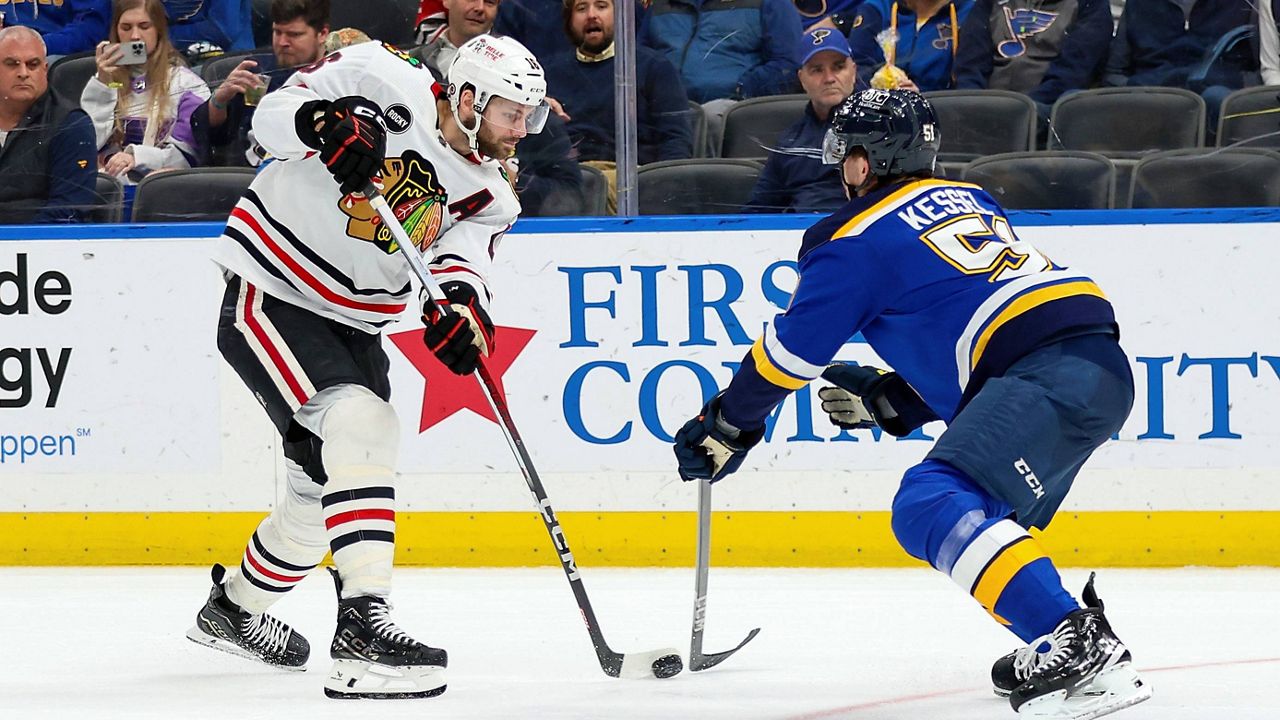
(135, 53)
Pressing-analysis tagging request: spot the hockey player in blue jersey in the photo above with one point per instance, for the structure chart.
(1018, 355)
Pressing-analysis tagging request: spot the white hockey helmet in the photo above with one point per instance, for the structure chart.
(502, 67)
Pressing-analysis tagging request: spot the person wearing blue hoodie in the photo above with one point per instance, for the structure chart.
(67, 26)
(734, 49)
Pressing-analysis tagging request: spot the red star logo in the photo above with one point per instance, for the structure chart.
(446, 393)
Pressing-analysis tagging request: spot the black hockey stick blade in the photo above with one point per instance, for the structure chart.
(699, 661)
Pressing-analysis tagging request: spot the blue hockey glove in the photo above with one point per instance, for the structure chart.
(709, 447)
(865, 396)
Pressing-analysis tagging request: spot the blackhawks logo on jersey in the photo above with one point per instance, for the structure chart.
(412, 189)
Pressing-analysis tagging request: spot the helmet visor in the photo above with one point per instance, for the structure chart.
(511, 115)
(834, 147)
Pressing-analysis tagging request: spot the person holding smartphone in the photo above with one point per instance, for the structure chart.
(143, 95)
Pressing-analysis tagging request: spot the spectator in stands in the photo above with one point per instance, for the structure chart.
(1159, 42)
(928, 33)
(223, 125)
(835, 14)
(464, 19)
(1269, 41)
(142, 113)
(1040, 48)
(538, 26)
(70, 26)
(47, 159)
(726, 50)
(224, 25)
(431, 17)
(794, 178)
(581, 88)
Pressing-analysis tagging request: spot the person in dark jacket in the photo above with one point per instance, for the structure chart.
(221, 126)
(1268, 40)
(734, 49)
(1161, 42)
(582, 86)
(794, 178)
(227, 24)
(69, 26)
(1040, 48)
(48, 162)
(537, 25)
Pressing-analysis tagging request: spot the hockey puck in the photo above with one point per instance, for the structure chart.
(667, 666)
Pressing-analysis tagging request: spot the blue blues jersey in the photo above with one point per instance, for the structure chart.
(932, 274)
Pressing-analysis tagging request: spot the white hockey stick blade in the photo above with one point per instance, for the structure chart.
(662, 663)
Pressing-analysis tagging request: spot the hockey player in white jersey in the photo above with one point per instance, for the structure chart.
(312, 278)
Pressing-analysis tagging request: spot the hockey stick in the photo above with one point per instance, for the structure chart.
(697, 660)
(662, 663)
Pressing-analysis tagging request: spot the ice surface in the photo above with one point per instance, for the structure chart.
(108, 643)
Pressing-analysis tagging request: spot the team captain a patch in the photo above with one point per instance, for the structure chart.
(412, 188)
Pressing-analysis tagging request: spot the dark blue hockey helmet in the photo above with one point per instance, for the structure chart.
(896, 128)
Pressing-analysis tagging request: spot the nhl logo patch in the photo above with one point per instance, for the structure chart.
(398, 118)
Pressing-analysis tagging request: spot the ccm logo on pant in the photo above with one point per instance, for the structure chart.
(1029, 477)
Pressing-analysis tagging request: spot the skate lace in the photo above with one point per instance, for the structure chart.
(380, 621)
(1029, 659)
(266, 632)
(1060, 650)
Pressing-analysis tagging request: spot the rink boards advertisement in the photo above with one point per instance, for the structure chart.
(113, 397)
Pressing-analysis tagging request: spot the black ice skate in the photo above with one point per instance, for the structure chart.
(1015, 668)
(1086, 672)
(223, 625)
(372, 658)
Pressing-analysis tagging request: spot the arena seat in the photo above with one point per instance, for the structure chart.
(1222, 177)
(1251, 117)
(195, 194)
(708, 186)
(1127, 122)
(1051, 180)
(752, 127)
(977, 123)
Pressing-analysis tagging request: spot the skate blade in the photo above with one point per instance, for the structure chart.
(200, 637)
(1112, 690)
(356, 680)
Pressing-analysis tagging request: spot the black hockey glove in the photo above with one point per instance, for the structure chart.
(459, 338)
(709, 447)
(350, 135)
(865, 396)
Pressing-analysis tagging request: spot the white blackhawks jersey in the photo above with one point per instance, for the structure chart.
(298, 238)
